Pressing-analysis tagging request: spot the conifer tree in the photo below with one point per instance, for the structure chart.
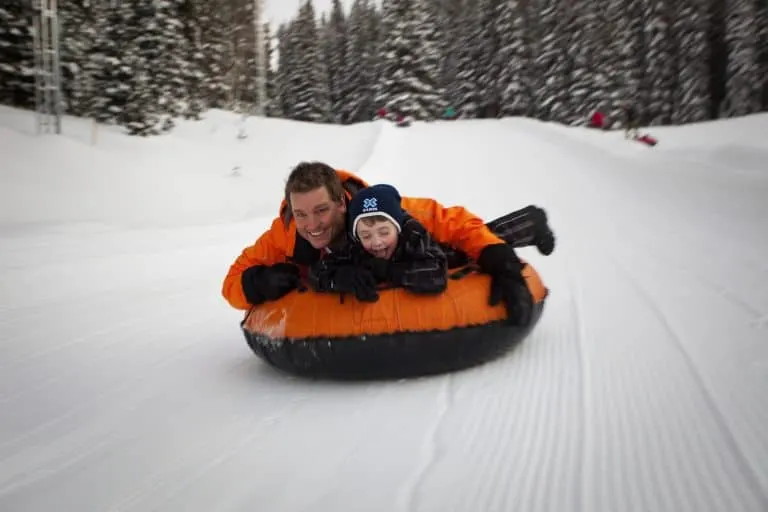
(659, 65)
(272, 104)
(465, 94)
(111, 63)
(335, 50)
(490, 64)
(743, 91)
(308, 79)
(17, 62)
(689, 33)
(75, 48)
(211, 16)
(194, 65)
(762, 45)
(168, 61)
(360, 65)
(582, 57)
(631, 62)
(551, 61)
(143, 112)
(408, 65)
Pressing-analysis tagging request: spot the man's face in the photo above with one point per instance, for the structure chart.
(318, 218)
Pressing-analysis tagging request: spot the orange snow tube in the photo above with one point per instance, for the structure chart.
(400, 335)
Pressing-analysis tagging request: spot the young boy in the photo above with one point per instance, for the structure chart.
(385, 245)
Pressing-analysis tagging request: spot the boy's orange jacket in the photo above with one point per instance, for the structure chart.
(453, 226)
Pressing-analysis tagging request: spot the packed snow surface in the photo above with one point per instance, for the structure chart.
(126, 384)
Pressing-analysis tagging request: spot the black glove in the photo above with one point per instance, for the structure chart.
(379, 267)
(507, 283)
(262, 283)
(356, 280)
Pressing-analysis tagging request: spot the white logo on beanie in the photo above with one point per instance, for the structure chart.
(370, 205)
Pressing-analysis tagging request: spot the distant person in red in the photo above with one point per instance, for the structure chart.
(597, 120)
(381, 113)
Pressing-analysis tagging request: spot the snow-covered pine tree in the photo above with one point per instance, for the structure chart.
(360, 67)
(335, 49)
(17, 62)
(109, 63)
(75, 48)
(743, 91)
(465, 94)
(551, 60)
(388, 53)
(168, 61)
(307, 77)
(718, 56)
(142, 114)
(440, 10)
(408, 61)
(490, 64)
(451, 30)
(689, 32)
(393, 43)
(286, 62)
(357, 83)
(376, 33)
(428, 93)
(238, 56)
(246, 66)
(271, 105)
(214, 35)
(659, 62)
(194, 63)
(607, 62)
(582, 56)
(515, 59)
(630, 45)
(762, 45)
(324, 40)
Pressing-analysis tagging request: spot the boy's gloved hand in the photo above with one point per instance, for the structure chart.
(507, 283)
(379, 267)
(262, 283)
(357, 280)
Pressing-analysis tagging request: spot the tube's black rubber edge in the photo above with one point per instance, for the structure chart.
(396, 355)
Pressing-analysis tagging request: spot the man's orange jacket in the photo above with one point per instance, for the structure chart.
(453, 226)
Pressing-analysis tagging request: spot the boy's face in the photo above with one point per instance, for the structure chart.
(378, 237)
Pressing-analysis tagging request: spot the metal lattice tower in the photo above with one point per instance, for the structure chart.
(47, 67)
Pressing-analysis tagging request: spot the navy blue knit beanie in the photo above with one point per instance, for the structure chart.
(381, 200)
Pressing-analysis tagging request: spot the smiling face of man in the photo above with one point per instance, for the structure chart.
(319, 219)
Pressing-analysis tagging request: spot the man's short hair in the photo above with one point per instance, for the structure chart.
(308, 176)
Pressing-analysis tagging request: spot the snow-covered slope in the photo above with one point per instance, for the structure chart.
(125, 383)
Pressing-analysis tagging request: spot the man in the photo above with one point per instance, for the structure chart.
(313, 222)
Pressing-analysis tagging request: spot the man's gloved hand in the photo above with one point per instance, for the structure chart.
(262, 283)
(507, 283)
(356, 280)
